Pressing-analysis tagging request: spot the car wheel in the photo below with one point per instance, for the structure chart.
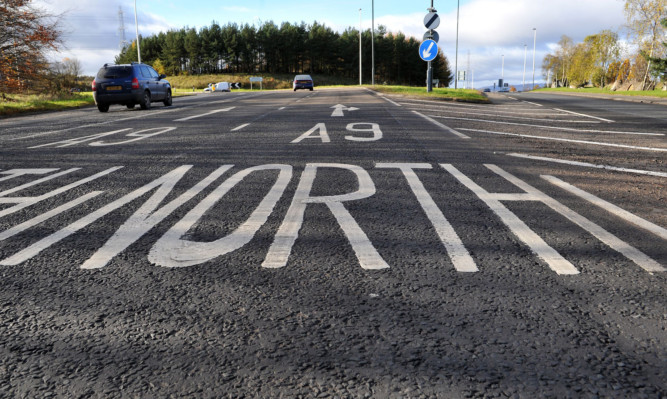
(146, 100)
(130, 106)
(311, 89)
(103, 107)
(168, 99)
(294, 89)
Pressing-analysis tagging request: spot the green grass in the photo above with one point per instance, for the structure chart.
(597, 90)
(271, 82)
(14, 104)
(465, 95)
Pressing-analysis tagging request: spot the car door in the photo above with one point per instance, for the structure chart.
(148, 81)
(160, 91)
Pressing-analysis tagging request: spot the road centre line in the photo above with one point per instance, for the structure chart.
(449, 129)
(240, 127)
(569, 129)
(568, 140)
(588, 165)
(609, 207)
(206, 114)
(587, 116)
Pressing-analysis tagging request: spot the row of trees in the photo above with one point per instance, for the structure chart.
(286, 49)
(601, 60)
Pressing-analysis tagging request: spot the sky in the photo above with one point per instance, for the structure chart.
(492, 33)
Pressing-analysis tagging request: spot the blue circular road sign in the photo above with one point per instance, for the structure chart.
(428, 50)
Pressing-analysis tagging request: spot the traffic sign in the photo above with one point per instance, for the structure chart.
(432, 21)
(433, 35)
(428, 50)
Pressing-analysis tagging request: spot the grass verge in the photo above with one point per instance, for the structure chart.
(463, 95)
(597, 90)
(15, 104)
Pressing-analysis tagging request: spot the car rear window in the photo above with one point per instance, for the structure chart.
(114, 72)
(303, 77)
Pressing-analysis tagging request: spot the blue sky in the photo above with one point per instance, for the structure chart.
(488, 30)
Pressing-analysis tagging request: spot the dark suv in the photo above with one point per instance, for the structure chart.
(130, 85)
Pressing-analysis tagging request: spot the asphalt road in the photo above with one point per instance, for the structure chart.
(335, 243)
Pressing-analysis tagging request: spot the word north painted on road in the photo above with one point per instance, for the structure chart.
(175, 248)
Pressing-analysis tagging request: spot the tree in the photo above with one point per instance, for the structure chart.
(659, 65)
(26, 34)
(644, 18)
(604, 49)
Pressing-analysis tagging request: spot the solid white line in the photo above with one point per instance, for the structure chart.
(569, 129)
(588, 116)
(503, 115)
(589, 165)
(449, 129)
(281, 108)
(569, 140)
(240, 127)
(609, 207)
(206, 114)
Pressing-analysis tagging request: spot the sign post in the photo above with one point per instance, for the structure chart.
(429, 47)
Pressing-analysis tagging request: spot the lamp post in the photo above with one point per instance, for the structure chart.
(136, 26)
(360, 47)
(525, 52)
(373, 42)
(456, 59)
(534, 44)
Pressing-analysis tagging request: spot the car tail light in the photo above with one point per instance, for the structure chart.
(94, 85)
(135, 83)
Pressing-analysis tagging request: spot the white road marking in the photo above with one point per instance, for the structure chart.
(289, 230)
(587, 116)
(236, 129)
(641, 259)
(457, 252)
(323, 135)
(13, 173)
(390, 101)
(339, 108)
(501, 114)
(532, 103)
(374, 127)
(32, 183)
(167, 181)
(568, 140)
(79, 140)
(609, 207)
(146, 217)
(549, 255)
(589, 165)
(171, 250)
(281, 108)
(568, 129)
(47, 215)
(206, 114)
(449, 129)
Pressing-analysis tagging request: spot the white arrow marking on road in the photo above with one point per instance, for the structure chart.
(427, 53)
(339, 108)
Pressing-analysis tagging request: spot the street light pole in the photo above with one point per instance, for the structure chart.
(534, 44)
(136, 26)
(456, 59)
(373, 42)
(360, 47)
(525, 52)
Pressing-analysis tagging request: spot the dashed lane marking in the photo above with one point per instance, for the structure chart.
(240, 127)
(206, 114)
(587, 116)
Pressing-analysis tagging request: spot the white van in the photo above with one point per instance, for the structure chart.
(223, 86)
